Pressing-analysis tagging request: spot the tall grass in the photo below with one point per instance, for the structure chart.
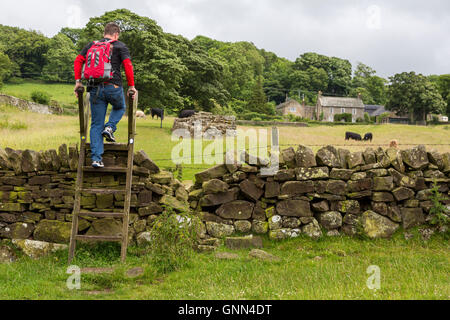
(332, 268)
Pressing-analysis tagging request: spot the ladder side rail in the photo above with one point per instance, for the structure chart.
(84, 118)
(132, 108)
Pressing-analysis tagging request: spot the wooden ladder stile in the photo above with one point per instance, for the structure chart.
(83, 104)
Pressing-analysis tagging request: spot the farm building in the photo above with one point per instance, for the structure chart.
(295, 108)
(377, 110)
(331, 106)
(439, 117)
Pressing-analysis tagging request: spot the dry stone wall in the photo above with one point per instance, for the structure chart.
(332, 192)
(26, 105)
(37, 195)
(209, 125)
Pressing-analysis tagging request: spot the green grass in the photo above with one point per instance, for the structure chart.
(409, 270)
(63, 93)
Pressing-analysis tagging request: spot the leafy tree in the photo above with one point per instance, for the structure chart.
(377, 89)
(371, 87)
(59, 57)
(277, 79)
(442, 83)
(414, 94)
(25, 49)
(362, 74)
(6, 67)
(202, 81)
(258, 102)
(159, 72)
(74, 34)
(338, 71)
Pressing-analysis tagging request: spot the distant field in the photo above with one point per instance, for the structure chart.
(25, 130)
(63, 93)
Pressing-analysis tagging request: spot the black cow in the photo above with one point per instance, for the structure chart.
(186, 114)
(352, 135)
(368, 137)
(159, 113)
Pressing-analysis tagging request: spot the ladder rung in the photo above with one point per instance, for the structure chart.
(112, 146)
(101, 214)
(103, 191)
(99, 238)
(106, 169)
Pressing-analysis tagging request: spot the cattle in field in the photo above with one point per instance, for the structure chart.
(159, 113)
(186, 114)
(352, 136)
(368, 136)
(140, 114)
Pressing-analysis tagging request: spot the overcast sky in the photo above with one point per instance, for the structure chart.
(391, 36)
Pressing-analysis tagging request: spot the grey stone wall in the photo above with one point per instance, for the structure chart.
(332, 192)
(336, 192)
(37, 195)
(210, 125)
(26, 105)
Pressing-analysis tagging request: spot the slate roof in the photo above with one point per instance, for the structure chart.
(289, 103)
(341, 102)
(374, 110)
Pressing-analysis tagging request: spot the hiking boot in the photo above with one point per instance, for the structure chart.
(109, 134)
(98, 164)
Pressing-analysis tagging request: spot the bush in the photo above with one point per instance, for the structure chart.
(41, 97)
(347, 117)
(16, 80)
(249, 116)
(173, 239)
(439, 213)
(367, 117)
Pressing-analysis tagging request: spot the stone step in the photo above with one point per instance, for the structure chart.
(99, 238)
(101, 214)
(111, 146)
(105, 170)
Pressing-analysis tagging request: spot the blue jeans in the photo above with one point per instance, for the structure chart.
(99, 105)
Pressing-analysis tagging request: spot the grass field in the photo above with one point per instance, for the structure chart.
(63, 93)
(24, 130)
(332, 268)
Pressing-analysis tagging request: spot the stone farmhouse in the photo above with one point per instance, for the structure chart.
(331, 106)
(295, 108)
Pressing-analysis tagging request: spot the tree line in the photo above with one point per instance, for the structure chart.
(175, 73)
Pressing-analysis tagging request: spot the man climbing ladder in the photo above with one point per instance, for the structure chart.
(99, 64)
(101, 69)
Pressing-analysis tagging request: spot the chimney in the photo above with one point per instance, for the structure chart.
(320, 93)
(359, 95)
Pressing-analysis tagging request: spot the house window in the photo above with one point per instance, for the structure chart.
(343, 110)
(332, 110)
(354, 112)
(293, 109)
